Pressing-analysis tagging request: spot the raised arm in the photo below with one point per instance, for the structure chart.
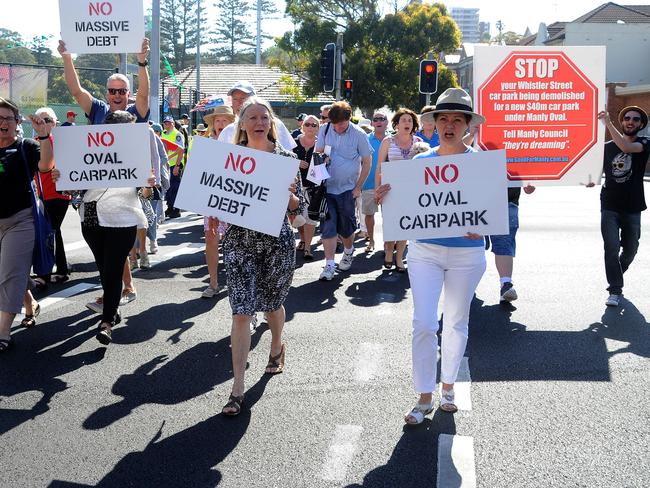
(618, 138)
(83, 98)
(383, 156)
(142, 98)
(46, 163)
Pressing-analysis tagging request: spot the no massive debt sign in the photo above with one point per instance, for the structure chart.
(242, 186)
(540, 105)
(446, 196)
(110, 26)
(102, 156)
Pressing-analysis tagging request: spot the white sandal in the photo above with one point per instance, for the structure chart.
(447, 401)
(416, 416)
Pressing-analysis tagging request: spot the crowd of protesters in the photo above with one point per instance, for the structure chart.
(116, 223)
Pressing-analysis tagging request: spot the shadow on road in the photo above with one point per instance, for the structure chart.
(502, 350)
(186, 459)
(35, 366)
(413, 457)
(192, 373)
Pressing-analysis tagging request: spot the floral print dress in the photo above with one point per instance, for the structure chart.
(259, 267)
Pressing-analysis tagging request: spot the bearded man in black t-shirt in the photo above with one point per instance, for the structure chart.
(622, 199)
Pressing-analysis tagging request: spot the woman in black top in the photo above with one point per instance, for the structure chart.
(19, 160)
(304, 150)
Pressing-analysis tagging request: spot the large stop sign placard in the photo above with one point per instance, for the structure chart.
(542, 109)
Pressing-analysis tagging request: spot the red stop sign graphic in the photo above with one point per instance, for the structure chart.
(542, 110)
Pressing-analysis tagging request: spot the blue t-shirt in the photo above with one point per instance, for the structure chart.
(433, 142)
(375, 143)
(449, 241)
(347, 149)
(100, 109)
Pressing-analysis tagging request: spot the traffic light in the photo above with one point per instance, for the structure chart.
(428, 76)
(328, 67)
(348, 87)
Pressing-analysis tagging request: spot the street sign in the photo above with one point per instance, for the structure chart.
(541, 106)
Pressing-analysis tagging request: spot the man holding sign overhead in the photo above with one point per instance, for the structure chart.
(118, 89)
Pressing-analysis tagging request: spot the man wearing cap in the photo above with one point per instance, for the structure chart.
(175, 157)
(622, 198)
(70, 119)
(117, 89)
(239, 93)
(300, 118)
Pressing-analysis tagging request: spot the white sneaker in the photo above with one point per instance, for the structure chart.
(210, 292)
(97, 306)
(346, 261)
(328, 272)
(144, 262)
(127, 297)
(153, 247)
(613, 300)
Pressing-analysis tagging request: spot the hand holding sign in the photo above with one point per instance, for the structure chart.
(144, 52)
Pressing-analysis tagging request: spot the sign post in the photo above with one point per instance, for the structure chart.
(541, 106)
(110, 26)
(241, 186)
(102, 156)
(446, 196)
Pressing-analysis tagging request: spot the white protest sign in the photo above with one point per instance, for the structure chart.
(102, 156)
(112, 26)
(317, 173)
(242, 186)
(445, 196)
(541, 105)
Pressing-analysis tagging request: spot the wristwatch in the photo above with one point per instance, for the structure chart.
(44, 138)
(143, 64)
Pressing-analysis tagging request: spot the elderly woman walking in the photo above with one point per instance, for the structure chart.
(19, 160)
(259, 267)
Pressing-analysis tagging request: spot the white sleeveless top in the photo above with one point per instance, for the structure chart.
(396, 153)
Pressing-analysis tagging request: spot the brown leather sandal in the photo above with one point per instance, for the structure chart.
(276, 362)
(233, 407)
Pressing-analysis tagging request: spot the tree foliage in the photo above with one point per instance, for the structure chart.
(382, 53)
(178, 28)
(233, 34)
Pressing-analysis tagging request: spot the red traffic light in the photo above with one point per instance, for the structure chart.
(348, 84)
(429, 68)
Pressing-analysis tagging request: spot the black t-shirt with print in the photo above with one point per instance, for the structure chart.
(623, 187)
(15, 187)
(304, 155)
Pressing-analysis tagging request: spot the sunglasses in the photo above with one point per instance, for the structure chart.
(324, 117)
(627, 118)
(8, 119)
(115, 91)
(379, 119)
(48, 120)
(310, 125)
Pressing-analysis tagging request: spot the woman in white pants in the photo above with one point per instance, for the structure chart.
(456, 263)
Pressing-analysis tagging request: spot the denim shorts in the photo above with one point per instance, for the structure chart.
(342, 219)
(505, 245)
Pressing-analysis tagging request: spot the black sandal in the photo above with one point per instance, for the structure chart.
(6, 344)
(39, 283)
(308, 256)
(235, 403)
(30, 319)
(276, 362)
(104, 334)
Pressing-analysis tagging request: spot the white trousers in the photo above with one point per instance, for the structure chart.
(459, 269)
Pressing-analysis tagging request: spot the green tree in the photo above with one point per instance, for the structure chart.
(13, 48)
(233, 35)
(382, 53)
(178, 30)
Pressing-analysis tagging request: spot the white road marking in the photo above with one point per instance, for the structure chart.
(462, 386)
(456, 467)
(341, 451)
(55, 298)
(368, 359)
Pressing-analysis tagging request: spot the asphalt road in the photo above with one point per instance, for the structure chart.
(554, 390)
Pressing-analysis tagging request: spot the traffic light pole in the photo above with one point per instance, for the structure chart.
(428, 95)
(339, 53)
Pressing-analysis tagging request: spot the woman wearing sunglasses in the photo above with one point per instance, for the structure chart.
(19, 160)
(304, 151)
